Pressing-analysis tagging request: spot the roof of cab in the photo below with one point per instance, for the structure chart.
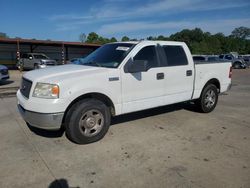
(152, 41)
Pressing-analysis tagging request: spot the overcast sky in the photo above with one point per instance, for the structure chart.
(65, 20)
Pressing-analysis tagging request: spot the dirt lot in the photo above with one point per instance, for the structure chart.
(171, 146)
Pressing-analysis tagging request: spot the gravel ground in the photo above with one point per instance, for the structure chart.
(171, 146)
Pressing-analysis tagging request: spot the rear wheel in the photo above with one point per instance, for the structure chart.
(209, 98)
(87, 121)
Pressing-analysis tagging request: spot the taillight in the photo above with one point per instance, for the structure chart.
(230, 72)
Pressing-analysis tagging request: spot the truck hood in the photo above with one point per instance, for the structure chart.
(60, 72)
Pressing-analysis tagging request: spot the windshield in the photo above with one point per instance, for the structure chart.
(109, 55)
(38, 56)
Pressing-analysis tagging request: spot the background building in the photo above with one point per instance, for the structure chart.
(11, 49)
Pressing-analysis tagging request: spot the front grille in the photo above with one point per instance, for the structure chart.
(25, 87)
(4, 71)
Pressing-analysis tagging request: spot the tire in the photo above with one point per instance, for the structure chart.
(208, 99)
(237, 65)
(87, 121)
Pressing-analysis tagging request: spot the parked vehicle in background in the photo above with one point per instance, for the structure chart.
(206, 58)
(118, 78)
(31, 61)
(4, 73)
(213, 58)
(201, 58)
(237, 63)
(246, 58)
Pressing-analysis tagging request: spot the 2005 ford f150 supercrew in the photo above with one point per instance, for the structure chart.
(115, 79)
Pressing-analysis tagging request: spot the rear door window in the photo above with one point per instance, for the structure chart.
(175, 55)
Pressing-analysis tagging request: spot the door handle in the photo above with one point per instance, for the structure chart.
(189, 73)
(160, 76)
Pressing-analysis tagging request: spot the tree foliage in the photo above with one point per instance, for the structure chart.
(198, 41)
(241, 32)
(204, 43)
(95, 38)
(125, 38)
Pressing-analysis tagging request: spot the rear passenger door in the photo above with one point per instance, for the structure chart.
(179, 74)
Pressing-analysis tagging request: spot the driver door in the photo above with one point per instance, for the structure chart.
(143, 90)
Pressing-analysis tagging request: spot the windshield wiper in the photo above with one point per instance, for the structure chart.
(93, 63)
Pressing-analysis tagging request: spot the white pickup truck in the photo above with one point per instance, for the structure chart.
(115, 79)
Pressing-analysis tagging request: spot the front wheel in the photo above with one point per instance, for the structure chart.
(208, 99)
(87, 121)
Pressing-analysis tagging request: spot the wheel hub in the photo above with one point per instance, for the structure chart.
(210, 99)
(90, 122)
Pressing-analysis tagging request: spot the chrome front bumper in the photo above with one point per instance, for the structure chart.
(51, 121)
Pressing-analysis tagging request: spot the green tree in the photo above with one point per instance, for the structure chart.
(198, 41)
(92, 38)
(151, 38)
(125, 38)
(241, 32)
(102, 40)
(161, 37)
(113, 39)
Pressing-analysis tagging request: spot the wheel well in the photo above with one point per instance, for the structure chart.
(99, 96)
(215, 82)
(237, 62)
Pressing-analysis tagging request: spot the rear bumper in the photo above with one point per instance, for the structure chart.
(50, 121)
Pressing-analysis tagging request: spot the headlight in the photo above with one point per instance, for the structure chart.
(48, 91)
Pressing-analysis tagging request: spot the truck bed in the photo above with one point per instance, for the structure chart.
(209, 70)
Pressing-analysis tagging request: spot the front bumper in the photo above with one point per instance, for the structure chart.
(42, 66)
(4, 77)
(47, 121)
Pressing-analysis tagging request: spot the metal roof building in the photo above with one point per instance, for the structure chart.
(11, 49)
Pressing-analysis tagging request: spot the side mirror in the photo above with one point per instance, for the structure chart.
(137, 66)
